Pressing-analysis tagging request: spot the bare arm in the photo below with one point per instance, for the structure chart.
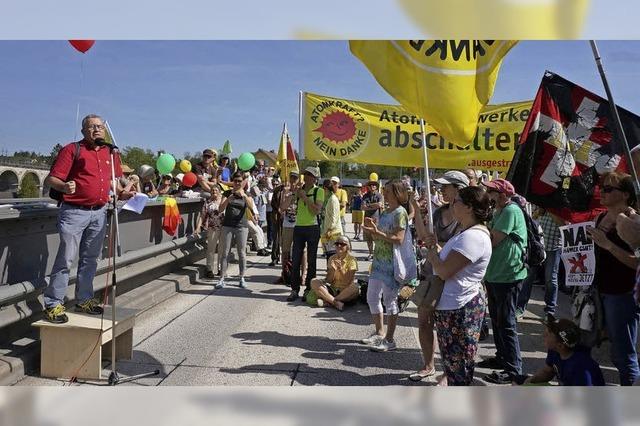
(448, 267)
(497, 237)
(60, 185)
(544, 374)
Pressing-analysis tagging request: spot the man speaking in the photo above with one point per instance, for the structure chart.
(82, 173)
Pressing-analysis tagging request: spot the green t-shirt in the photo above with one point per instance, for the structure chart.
(305, 216)
(506, 261)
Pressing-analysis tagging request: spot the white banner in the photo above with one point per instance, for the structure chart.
(578, 254)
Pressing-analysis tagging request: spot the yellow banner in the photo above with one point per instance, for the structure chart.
(351, 131)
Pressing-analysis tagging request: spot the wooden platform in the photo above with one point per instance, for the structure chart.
(77, 347)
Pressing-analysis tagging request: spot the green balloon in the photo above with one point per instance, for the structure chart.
(165, 163)
(246, 161)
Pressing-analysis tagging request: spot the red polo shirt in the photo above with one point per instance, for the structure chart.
(91, 173)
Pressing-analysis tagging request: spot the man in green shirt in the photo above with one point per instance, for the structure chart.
(505, 273)
(306, 233)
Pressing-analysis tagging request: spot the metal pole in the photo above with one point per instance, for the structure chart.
(616, 117)
(426, 175)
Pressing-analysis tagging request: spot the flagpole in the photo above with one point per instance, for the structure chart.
(616, 117)
(300, 123)
(426, 175)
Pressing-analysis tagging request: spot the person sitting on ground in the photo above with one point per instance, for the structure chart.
(165, 185)
(339, 285)
(569, 362)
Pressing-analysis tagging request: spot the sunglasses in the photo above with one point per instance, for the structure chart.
(341, 244)
(607, 189)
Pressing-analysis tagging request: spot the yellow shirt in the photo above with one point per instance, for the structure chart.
(344, 200)
(341, 268)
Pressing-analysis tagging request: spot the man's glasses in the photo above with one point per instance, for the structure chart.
(95, 127)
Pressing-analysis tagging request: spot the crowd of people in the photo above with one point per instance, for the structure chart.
(460, 254)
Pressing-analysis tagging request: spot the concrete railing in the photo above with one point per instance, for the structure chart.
(29, 243)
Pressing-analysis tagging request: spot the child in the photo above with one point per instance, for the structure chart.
(570, 363)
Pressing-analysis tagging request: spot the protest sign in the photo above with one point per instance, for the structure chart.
(578, 254)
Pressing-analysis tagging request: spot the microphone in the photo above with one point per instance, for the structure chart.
(102, 142)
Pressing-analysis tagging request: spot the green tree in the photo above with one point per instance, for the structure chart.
(29, 187)
(134, 157)
(54, 153)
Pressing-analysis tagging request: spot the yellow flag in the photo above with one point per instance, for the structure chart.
(282, 148)
(446, 82)
(501, 19)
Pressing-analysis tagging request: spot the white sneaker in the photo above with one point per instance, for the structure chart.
(374, 339)
(384, 346)
(320, 303)
(220, 283)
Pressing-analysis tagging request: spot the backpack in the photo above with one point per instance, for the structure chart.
(54, 193)
(320, 216)
(534, 253)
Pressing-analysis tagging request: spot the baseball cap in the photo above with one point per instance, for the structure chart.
(453, 177)
(359, 185)
(566, 330)
(501, 185)
(294, 173)
(335, 179)
(313, 171)
(179, 176)
(209, 151)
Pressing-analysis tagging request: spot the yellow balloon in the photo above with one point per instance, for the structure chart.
(373, 177)
(185, 166)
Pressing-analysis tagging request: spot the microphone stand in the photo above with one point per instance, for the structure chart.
(114, 378)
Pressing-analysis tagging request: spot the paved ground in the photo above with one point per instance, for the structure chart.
(235, 336)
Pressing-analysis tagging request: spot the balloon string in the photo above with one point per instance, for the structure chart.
(75, 135)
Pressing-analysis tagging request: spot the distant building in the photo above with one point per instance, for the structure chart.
(269, 157)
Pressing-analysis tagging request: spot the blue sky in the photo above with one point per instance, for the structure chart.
(187, 95)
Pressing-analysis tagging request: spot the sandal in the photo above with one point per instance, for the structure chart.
(422, 374)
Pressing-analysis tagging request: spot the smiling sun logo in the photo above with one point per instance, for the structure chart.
(337, 126)
(340, 129)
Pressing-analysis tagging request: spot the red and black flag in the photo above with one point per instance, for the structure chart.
(568, 143)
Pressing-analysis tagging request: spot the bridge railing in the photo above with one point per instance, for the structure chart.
(25, 164)
(29, 242)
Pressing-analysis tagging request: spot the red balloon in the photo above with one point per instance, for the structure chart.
(189, 179)
(82, 45)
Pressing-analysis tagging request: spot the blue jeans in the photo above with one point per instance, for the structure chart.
(525, 291)
(80, 231)
(621, 317)
(551, 269)
(502, 298)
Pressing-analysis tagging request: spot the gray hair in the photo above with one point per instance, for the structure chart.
(84, 120)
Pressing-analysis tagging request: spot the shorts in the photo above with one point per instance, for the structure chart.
(334, 291)
(357, 216)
